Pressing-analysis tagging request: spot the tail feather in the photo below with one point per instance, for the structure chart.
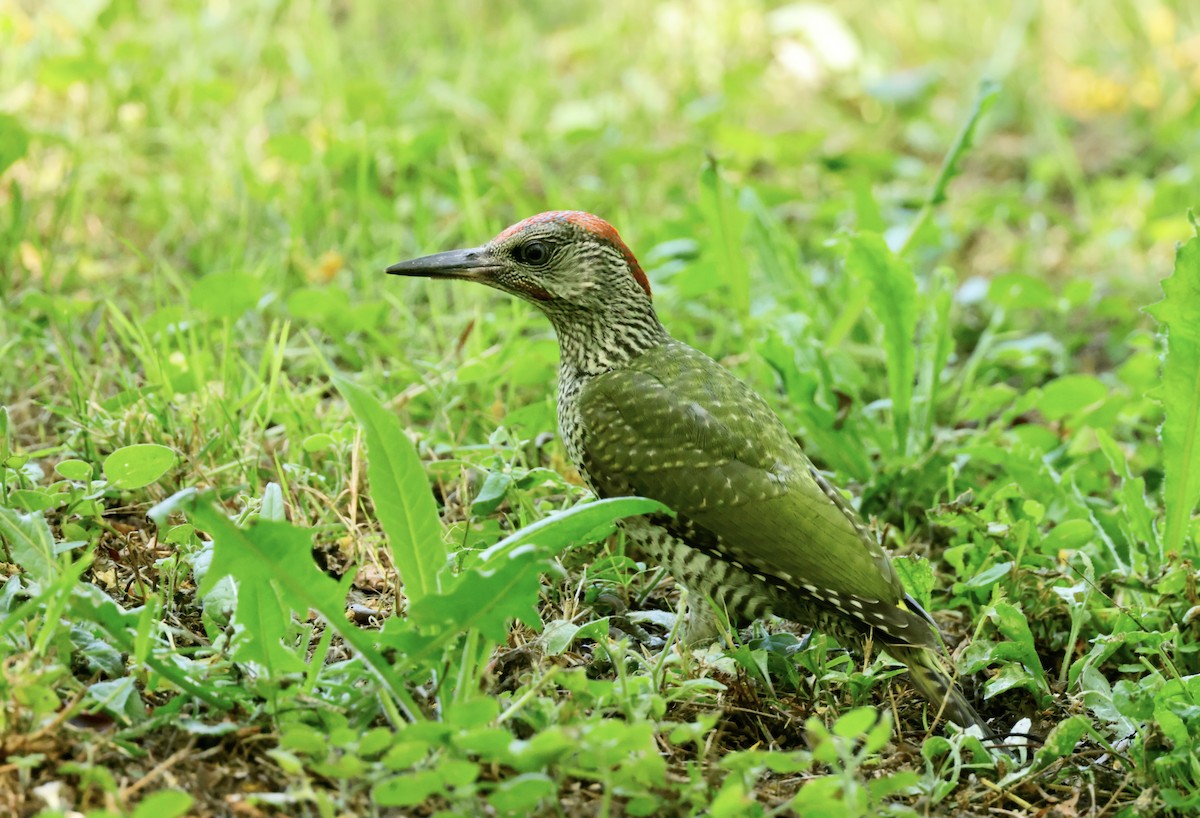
(930, 678)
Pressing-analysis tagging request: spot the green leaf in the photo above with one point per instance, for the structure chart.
(558, 637)
(290, 763)
(273, 567)
(1068, 536)
(376, 741)
(487, 599)
(522, 794)
(178, 502)
(14, 141)
(822, 797)
(404, 754)
(894, 301)
(227, 294)
(1010, 676)
(989, 577)
(164, 804)
(1017, 291)
(933, 350)
(400, 493)
(406, 790)
(985, 97)
(97, 652)
(118, 697)
(587, 521)
(457, 772)
(1178, 313)
(318, 304)
(76, 470)
(304, 739)
(855, 723)
(267, 592)
(917, 576)
(272, 506)
(473, 711)
(5, 441)
(33, 500)
(1062, 739)
(290, 147)
(132, 467)
(561, 634)
(89, 603)
(1136, 512)
(314, 443)
(881, 788)
(491, 493)
(1013, 624)
(1070, 394)
(505, 584)
(727, 224)
(30, 543)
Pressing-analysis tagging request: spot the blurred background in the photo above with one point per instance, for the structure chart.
(349, 133)
(172, 162)
(197, 203)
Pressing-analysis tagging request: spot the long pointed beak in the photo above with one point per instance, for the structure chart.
(475, 264)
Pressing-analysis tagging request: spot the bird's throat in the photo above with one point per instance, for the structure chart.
(592, 343)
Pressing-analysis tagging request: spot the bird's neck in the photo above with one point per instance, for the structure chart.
(592, 343)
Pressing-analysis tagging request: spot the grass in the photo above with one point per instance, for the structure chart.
(196, 204)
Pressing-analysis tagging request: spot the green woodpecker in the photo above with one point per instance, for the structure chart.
(758, 530)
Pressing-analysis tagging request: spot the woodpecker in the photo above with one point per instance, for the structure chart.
(757, 529)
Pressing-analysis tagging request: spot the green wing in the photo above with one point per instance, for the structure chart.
(679, 428)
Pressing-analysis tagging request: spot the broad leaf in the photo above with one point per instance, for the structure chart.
(487, 599)
(585, 522)
(164, 804)
(917, 576)
(506, 583)
(30, 542)
(272, 564)
(132, 467)
(400, 493)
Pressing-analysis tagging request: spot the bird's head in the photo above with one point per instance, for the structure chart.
(563, 260)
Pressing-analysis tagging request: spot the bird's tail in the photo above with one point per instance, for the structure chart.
(930, 678)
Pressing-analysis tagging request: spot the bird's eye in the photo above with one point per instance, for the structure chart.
(533, 252)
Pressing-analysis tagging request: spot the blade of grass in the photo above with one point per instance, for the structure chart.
(728, 223)
(985, 97)
(893, 295)
(1179, 315)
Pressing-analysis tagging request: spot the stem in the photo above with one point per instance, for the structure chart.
(988, 91)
